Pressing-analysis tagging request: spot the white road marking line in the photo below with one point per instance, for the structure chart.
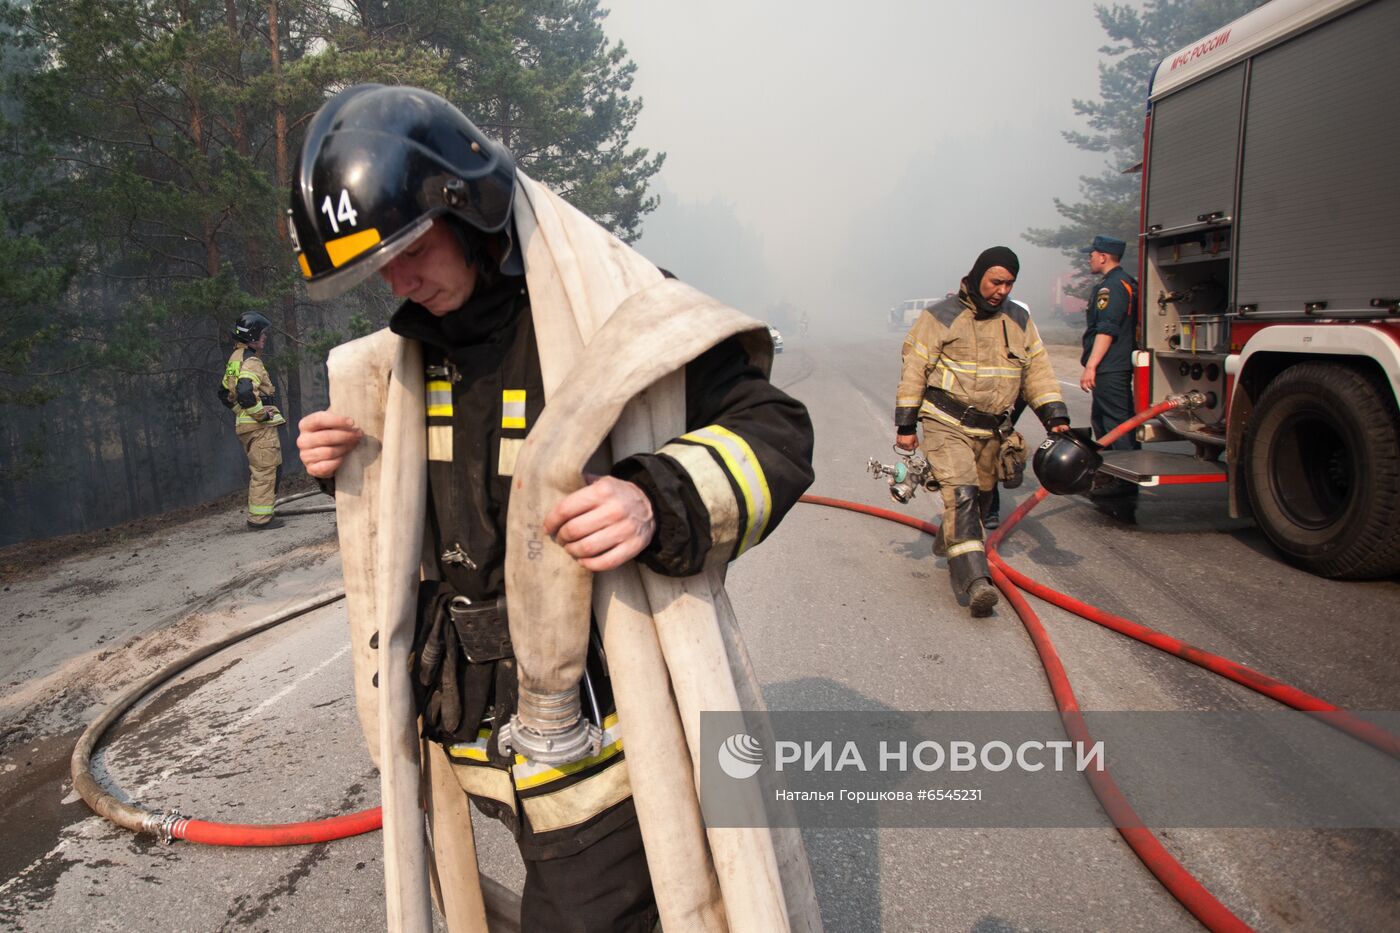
(238, 724)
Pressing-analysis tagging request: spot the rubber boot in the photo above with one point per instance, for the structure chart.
(982, 598)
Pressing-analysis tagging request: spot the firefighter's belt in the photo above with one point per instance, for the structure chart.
(968, 416)
(482, 629)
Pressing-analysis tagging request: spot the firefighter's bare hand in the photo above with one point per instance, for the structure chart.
(603, 525)
(906, 441)
(1059, 429)
(1086, 381)
(323, 440)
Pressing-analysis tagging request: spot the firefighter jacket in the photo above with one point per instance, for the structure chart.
(248, 390)
(746, 441)
(984, 361)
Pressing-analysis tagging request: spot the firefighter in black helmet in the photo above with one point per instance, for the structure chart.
(397, 181)
(248, 391)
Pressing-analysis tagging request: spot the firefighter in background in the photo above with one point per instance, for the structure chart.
(449, 250)
(1108, 342)
(248, 390)
(966, 361)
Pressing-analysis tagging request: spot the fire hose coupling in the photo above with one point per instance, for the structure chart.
(549, 728)
(163, 825)
(905, 478)
(1188, 400)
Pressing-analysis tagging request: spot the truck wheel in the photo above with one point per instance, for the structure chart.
(1322, 455)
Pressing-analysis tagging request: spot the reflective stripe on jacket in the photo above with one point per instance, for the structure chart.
(984, 362)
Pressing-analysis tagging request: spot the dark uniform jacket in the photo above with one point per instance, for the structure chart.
(484, 391)
(1113, 311)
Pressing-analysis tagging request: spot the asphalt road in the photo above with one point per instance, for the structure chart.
(842, 612)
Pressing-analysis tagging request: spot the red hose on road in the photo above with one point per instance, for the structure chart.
(167, 826)
(1175, 878)
(277, 834)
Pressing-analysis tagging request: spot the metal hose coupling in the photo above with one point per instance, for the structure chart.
(165, 826)
(1188, 400)
(549, 728)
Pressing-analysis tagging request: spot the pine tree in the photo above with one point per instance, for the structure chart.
(1140, 38)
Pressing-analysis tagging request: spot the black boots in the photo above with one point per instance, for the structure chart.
(982, 598)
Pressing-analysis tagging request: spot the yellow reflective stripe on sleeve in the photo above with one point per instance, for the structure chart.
(715, 491)
(528, 774)
(346, 248)
(579, 802)
(439, 398)
(965, 547)
(747, 473)
(512, 408)
(918, 348)
(1047, 397)
(909, 402)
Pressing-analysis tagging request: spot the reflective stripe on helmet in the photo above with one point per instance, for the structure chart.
(346, 248)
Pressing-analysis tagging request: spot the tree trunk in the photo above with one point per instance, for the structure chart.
(284, 182)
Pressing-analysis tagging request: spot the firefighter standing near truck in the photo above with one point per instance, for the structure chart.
(966, 361)
(248, 391)
(1108, 341)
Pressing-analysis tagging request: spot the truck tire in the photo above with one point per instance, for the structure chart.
(1322, 461)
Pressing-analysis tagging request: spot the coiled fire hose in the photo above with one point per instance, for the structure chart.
(169, 826)
(1173, 876)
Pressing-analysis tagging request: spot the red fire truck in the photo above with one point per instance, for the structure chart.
(1270, 272)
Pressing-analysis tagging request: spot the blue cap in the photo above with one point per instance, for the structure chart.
(1106, 244)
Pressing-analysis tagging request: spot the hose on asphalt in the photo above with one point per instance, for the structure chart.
(1173, 876)
(305, 510)
(169, 826)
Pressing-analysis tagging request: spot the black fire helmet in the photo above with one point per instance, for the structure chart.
(378, 165)
(1065, 463)
(250, 326)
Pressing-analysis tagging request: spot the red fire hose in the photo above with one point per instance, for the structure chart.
(168, 826)
(1178, 881)
(1175, 878)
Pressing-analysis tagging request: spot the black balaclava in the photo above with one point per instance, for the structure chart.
(993, 256)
